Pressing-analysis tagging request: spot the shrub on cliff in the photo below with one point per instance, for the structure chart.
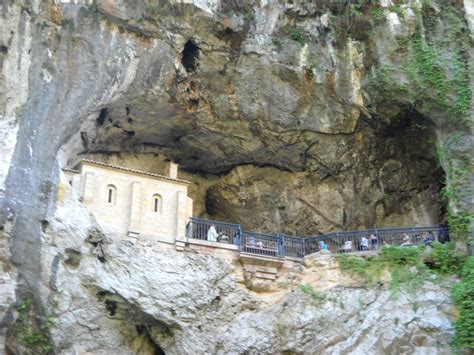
(445, 259)
(408, 266)
(463, 295)
(405, 266)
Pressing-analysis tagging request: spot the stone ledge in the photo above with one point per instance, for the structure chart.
(260, 268)
(270, 261)
(264, 275)
(212, 244)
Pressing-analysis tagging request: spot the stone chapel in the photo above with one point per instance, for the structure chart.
(132, 202)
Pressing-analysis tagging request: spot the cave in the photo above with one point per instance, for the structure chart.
(267, 191)
(278, 184)
(190, 56)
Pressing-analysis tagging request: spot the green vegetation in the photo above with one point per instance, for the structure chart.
(463, 295)
(309, 73)
(433, 72)
(383, 85)
(34, 337)
(249, 15)
(68, 24)
(427, 71)
(153, 8)
(295, 34)
(404, 264)
(436, 74)
(445, 259)
(457, 187)
(230, 13)
(276, 42)
(355, 21)
(398, 10)
(431, 63)
(461, 84)
(378, 15)
(315, 295)
(356, 266)
(436, 67)
(460, 224)
(408, 267)
(284, 284)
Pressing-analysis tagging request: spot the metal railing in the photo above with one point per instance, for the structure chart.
(374, 239)
(294, 246)
(312, 245)
(341, 242)
(261, 244)
(227, 233)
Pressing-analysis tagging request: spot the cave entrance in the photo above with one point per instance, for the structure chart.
(415, 184)
(190, 56)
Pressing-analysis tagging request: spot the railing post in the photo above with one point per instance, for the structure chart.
(304, 247)
(239, 237)
(281, 246)
(188, 230)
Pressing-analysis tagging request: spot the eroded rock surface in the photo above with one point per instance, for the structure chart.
(132, 297)
(296, 118)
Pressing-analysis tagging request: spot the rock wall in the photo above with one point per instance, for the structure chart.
(299, 118)
(138, 298)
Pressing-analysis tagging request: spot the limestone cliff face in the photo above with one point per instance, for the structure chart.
(315, 93)
(131, 297)
(298, 118)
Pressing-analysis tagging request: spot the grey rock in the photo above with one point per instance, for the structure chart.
(281, 108)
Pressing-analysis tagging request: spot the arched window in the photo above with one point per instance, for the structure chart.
(111, 194)
(157, 203)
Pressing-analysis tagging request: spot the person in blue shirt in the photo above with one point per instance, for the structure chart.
(430, 238)
(323, 245)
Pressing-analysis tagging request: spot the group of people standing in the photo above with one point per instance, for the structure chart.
(371, 242)
(365, 243)
(428, 239)
(213, 236)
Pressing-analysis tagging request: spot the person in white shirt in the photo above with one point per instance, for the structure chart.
(406, 240)
(347, 246)
(212, 234)
(364, 243)
(373, 241)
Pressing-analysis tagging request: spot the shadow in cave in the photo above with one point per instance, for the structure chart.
(410, 138)
(190, 56)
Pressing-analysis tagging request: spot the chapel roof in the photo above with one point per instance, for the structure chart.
(117, 167)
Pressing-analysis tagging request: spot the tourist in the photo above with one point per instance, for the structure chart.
(364, 243)
(443, 236)
(323, 245)
(212, 234)
(406, 240)
(223, 238)
(251, 242)
(347, 246)
(373, 240)
(430, 238)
